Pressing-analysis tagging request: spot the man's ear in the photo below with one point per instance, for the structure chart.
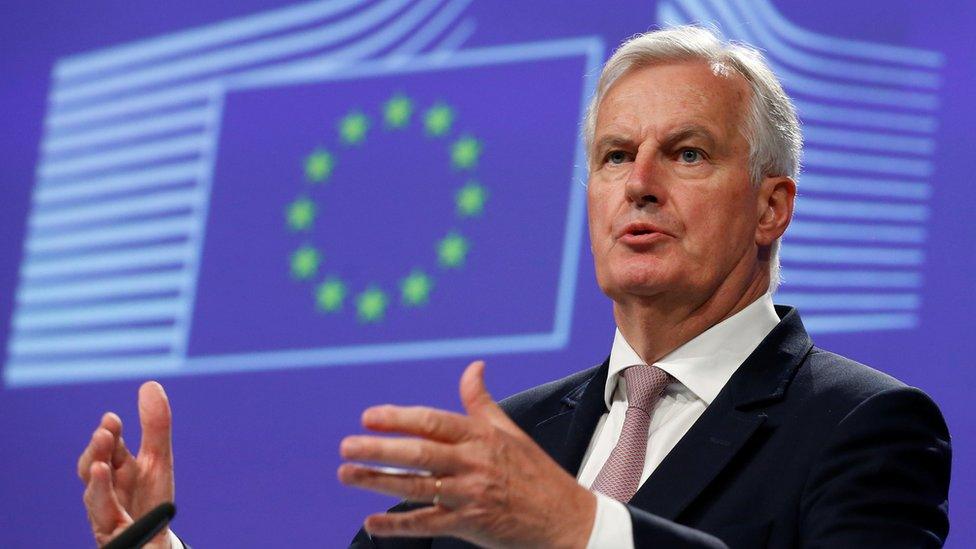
(776, 198)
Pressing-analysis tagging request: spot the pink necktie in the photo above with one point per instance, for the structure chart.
(621, 473)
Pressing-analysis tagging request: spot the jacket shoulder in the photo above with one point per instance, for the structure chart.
(831, 387)
(831, 376)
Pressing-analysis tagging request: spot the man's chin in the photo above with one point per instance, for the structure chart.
(640, 289)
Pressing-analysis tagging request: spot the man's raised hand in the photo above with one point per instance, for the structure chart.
(120, 487)
(491, 484)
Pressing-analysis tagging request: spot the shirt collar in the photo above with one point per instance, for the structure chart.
(704, 364)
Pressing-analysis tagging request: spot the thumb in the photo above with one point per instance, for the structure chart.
(156, 420)
(475, 397)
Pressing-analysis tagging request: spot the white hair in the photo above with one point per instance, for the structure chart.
(771, 125)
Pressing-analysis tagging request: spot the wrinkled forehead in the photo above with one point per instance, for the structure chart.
(674, 90)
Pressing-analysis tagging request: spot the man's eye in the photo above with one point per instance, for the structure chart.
(690, 156)
(616, 157)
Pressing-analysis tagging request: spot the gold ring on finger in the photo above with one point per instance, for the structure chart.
(437, 492)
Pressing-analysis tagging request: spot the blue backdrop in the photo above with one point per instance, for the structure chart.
(287, 212)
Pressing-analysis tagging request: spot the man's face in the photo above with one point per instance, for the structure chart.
(671, 207)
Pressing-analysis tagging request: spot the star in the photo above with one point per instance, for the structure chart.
(397, 111)
(305, 262)
(465, 153)
(451, 250)
(301, 213)
(319, 165)
(330, 294)
(471, 199)
(438, 119)
(371, 305)
(352, 128)
(415, 289)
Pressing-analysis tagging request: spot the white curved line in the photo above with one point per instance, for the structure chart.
(806, 301)
(202, 37)
(67, 96)
(817, 64)
(86, 265)
(140, 178)
(437, 24)
(866, 163)
(865, 186)
(821, 324)
(856, 232)
(827, 278)
(869, 118)
(47, 294)
(126, 207)
(458, 36)
(181, 120)
(857, 209)
(117, 234)
(845, 46)
(873, 141)
(115, 340)
(851, 255)
(74, 316)
(24, 373)
(818, 87)
(185, 95)
(203, 90)
(178, 146)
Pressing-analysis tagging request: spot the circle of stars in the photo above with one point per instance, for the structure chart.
(307, 263)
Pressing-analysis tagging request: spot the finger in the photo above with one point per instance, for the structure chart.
(103, 505)
(113, 425)
(476, 399)
(424, 522)
(112, 422)
(120, 454)
(156, 420)
(419, 488)
(415, 453)
(420, 421)
(99, 449)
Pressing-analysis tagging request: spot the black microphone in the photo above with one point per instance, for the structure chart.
(141, 531)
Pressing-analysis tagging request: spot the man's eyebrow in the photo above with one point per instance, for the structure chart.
(688, 132)
(610, 141)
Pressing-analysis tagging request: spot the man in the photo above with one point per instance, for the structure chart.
(714, 422)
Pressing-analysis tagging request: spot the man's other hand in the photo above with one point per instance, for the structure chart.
(120, 487)
(489, 482)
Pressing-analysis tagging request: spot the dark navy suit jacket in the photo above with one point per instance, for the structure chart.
(802, 448)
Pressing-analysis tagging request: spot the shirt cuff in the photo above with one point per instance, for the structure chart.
(612, 528)
(174, 542)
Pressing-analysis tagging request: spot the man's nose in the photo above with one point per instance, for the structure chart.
(644, 186)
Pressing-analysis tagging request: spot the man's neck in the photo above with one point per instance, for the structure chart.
(657, 325)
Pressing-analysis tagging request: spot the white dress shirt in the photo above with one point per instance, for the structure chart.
(701, 368)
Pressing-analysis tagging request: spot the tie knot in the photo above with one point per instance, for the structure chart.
(644, 385)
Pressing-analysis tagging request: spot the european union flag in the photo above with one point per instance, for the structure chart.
(394, 206)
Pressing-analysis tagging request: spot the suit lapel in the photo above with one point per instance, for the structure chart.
(566, 434)
(699, 456)
(729, 422)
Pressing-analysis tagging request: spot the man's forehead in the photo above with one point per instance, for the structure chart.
(685, 76)
(670, 96)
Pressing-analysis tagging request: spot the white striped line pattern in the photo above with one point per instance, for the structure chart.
(853, 256)
(119, 204)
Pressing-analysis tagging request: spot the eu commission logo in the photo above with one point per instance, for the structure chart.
(315, 185)
(338, 207)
